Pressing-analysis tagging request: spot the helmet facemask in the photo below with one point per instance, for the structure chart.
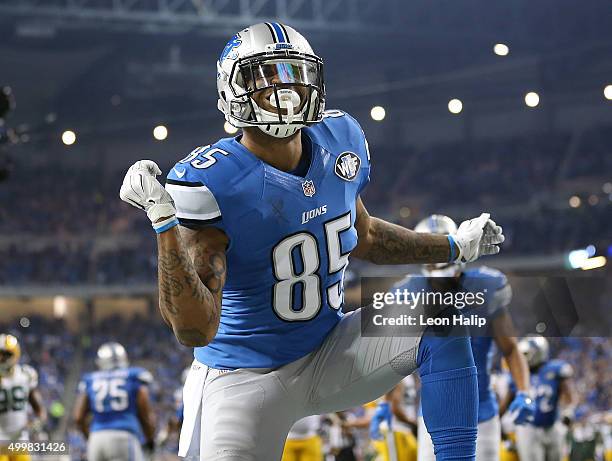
(7, 361)
(9, 353)
(278, 91)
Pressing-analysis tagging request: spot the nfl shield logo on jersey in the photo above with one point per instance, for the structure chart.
(347, 166)
(309, 188)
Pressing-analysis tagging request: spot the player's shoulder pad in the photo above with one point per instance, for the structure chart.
(562, 368)
(82, 386)
(31, 375)
(343, 127)
(411, 282)
(495, 286)
(489, 276)
(198, 182)
(212, 163)
(141, 375)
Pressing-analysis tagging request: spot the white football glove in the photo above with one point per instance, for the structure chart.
(142, 190)
(477, 237)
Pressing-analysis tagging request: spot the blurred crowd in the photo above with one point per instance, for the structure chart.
(67, 225)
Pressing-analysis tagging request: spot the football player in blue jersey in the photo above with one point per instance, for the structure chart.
(498, 331)
(112, 408)
(542, 440)
(253, 276)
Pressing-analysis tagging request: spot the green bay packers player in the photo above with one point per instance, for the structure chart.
(18, 388)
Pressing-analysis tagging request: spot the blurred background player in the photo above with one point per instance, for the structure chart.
(303, 441)
(542, 440)
(499, 331)
(18, 388)
(396, 414)
(117, 399)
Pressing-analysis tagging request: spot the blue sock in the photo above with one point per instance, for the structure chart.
(449, 395)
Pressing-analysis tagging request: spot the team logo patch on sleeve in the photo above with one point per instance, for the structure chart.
(309, 188)
(347, 165)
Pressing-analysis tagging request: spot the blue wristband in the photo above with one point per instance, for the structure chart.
(167, 226)
(451, 241)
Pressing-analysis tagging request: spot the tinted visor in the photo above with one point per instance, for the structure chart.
(256, 76)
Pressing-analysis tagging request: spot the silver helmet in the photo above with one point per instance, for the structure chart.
(439, 224)
(112, 356)
(269, 77)
(535, 349)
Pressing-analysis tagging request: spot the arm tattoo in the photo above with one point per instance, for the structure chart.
(191, 279)
(393, 244)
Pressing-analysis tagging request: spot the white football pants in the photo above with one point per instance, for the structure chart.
(245, 414)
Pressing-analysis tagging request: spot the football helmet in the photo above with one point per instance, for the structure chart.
(535, 349)
(439, 224)
(112, 356)
(10, 351)
(269, 77)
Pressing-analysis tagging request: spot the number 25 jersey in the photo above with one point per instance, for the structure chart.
(289, 240)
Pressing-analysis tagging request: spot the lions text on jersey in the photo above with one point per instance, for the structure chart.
(290, 238)
(497, 295)
(112, 398)
(15, 390)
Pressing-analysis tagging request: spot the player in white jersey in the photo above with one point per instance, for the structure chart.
(18, 388)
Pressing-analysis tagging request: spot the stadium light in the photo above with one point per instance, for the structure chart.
(574, 201)
(500, 49)
(160, 132)
(69, 137)
(593, 200)
(608, 92)
(594, 263)
(60, 306)
(229, 128)
(378, 113)
(591, 250)
(532, 99)
(455, 106)
(577, 258)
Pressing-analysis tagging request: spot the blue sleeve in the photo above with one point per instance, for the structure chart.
(141, 376)
(196, 205)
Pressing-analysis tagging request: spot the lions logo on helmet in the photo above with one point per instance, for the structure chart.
(439, 224)
(9, 353)
(112, 356)
(269, 77)
(535, 349)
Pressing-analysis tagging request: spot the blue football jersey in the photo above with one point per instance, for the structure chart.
(546, 385)
(112, 398)
(289, 240)
(497, 295)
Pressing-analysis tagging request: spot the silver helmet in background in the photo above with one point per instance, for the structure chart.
(111, 356)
